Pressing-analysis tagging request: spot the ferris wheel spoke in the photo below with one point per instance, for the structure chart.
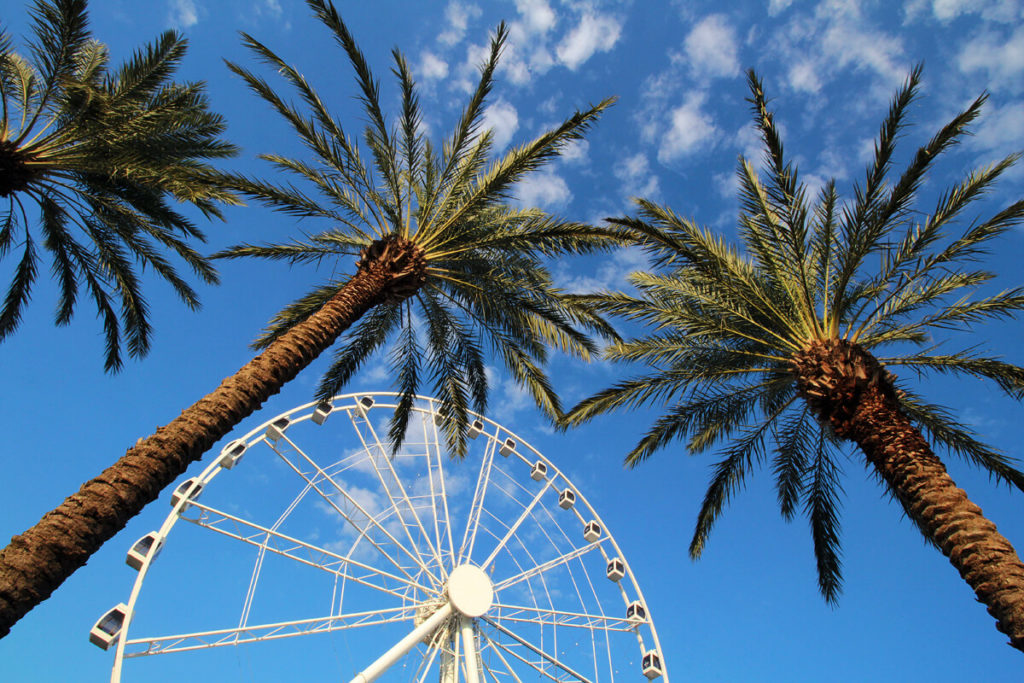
(373, 446)
(201, 640)
(547, 566)
(320, 476)
(553, 617)
(438, 488)
(399, 649)
(428, 662)
(305, 553)
(477, 504)
(496, 649)
(515, 525)
(550, 659)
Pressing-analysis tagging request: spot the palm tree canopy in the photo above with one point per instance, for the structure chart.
(733, 327)
(92, 157)
(477, 281)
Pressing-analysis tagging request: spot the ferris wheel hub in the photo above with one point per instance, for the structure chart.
(470, 590)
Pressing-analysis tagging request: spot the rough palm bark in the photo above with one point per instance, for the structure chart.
(848, 387)
(14, 174)
(39, 560)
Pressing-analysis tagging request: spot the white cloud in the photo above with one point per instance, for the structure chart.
(526, 52)
(595, 32)
(458, 17)
(1000, 128)
(183, 13)
(432, 67)
(690, 130)
(544, 189)
(575, 152)
(511, 397)
(711, 49)
(537, 15)
(271, 7)
(748, 141)
(468, 72)
(726, 184)
(836, 37)
(803, 77)
(636, 177)
(776, 6)
(851, 44)
(503, 120)
(1003, 61)
(991, 10)
(603, 273)
(945, 10)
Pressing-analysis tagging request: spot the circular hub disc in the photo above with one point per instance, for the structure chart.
(470, 590)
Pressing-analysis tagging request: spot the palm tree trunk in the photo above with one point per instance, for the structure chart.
(38, 561)
(984, 558)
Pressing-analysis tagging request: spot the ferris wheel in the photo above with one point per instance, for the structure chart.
(407, 566)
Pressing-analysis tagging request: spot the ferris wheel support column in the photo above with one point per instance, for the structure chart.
(399, 649)
(469, 650)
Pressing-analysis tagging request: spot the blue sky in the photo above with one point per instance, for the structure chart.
(749, 610)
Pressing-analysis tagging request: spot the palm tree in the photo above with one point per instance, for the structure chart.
(777, 346)
(430, 229)
(92, 157)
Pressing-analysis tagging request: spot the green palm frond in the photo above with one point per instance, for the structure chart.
(729, 326)
(822, 495)
(95, 156)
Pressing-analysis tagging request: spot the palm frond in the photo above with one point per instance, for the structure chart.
(823, 489)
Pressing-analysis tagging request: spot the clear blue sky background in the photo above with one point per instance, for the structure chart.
(749, 610)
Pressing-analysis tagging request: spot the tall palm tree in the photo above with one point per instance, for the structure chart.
(90, 157)
(777, 346)
(430, 229)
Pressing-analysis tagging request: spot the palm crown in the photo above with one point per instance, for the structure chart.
(471, 265)
(99, 153)
(769, 348)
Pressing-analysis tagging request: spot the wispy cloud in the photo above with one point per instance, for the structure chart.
(690, 129)
(837, 36)
(545, 189)
(636, 178)
(432, 67)
(711, 49)
(458, 16)
(1006, 11)
(183, 13)
(503, 120)
(594, 33)
(1002, 61)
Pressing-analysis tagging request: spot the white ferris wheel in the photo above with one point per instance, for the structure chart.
(405, 567)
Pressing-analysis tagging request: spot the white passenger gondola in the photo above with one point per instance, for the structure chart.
(651, 664)
(188, 489)
(322, 410)
(592, 531)
(475, 429)
(508, 448)
(232, 454)
(566, 499)
(276, 429)
(108, 629)
(636, 613)
(616, 569)
(141, 548)
(538, 471)
(363, 405)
